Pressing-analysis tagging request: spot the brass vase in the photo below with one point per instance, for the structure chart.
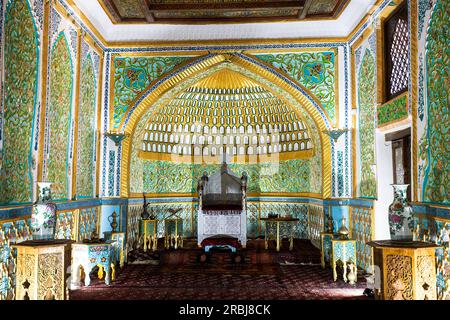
(113, 221)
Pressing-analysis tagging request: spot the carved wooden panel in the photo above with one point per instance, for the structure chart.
(50, 275)
(41, 270)
(426, 278)
(399, 277)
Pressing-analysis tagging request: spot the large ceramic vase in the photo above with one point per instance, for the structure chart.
(401, 222)
(43, 217)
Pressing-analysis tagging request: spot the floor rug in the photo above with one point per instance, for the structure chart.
(297, 275)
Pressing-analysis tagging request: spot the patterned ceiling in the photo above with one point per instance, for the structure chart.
(219, 11)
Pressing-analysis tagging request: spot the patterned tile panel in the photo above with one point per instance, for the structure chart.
(361, 228)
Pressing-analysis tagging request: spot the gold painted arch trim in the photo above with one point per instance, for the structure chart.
(205, 64)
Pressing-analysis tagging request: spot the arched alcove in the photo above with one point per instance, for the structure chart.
(303, 104)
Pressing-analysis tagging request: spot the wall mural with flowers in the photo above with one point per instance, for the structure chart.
(314, 70)
(86, 128)
(132, 75)
(433, 101)
(59, 115)
(169, 177)
(366, 101)
(21, 48)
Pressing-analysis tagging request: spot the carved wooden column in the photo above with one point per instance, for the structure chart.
(42, 269)
(407, 270)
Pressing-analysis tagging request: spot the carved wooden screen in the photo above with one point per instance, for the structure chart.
(396, 53)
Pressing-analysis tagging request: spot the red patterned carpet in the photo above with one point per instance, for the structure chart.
(287, 275)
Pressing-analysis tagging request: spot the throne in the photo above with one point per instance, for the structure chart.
(222, 210)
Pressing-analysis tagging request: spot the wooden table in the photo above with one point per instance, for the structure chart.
(148, 228)
(42, 269)
(90, 255)
(173, 233)
(277, 228)
(407, 270)
(345, 252)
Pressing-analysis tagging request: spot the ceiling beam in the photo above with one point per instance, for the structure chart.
(302, 14)
(145, 10)
(226, 6)
(111, 10)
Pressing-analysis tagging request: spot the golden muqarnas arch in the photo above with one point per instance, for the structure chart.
(182, 75)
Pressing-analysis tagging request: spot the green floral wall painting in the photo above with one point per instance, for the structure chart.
(60, 99)
(367, 105)
(314, 70)
(86, 130)
(395, 110)
(21, 59)
(436, 182)
(132, 75)
(169, 177)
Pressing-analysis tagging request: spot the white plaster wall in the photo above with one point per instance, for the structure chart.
(384, 189)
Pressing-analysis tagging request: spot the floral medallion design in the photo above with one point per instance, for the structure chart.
(21, 58)
(61, 86)
(131, 77)
(436, 184)
(314, 70)
(86, 127)
(366, 104)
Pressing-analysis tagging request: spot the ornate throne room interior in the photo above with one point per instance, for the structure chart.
(224, 149)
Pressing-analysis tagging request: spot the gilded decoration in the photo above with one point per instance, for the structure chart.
(60, 110)
(132, 76)
(436, 179)
(86, 129)
(399, 277)
(366, 103)
(315, 70)
(21, 58)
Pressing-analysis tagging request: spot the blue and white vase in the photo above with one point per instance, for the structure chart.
(43, 217)
(401, 221)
